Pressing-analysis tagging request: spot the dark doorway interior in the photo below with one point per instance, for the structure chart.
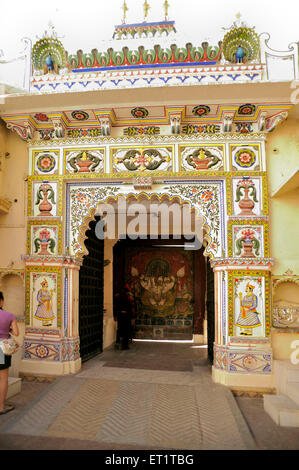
(156, 255)
(91, 296)
(210, 311)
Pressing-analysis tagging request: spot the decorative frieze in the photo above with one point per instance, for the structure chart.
(249, 303)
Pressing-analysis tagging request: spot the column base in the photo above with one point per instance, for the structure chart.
(14, 386)
(244, 363)
(49, 368)
(245, 382)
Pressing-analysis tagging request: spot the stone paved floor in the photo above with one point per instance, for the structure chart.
(153, 396)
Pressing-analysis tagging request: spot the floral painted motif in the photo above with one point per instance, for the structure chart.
(45, 163)
(142, 160)
(246, 109)
(41, 117)
(80, 115)
(147, 130)
(207, 199)
(201, 110)
(248, 242)
(139, 113)
(44, 242)
(81, 200)
(148, 159)
(245, 158)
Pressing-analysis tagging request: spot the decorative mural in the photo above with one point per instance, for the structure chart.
(257, 362)
(191, 129)
(83, 200)
(43, 308)
(144, 130)
(35, 350)
(211, 160)
(245, 157)
(139, 113)
(45, 199)
(244, 127)
(162, 300)
(90, 132)
(84, 161)
(248, 238)
(247, 196)
(202, 158)
(162, 284)
(249, 304)
(80, 115)
(201, 110)
(247, 109)
(46, 162)
(207, 198)
(148, 159)
(44, 240)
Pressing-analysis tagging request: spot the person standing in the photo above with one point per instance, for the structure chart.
(124, 314)
(8, 323)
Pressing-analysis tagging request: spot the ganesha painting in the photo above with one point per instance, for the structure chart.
(162, 285)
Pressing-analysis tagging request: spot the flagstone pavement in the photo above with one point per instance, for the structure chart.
(153, 396)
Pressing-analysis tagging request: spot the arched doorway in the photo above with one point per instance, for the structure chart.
(191, 326)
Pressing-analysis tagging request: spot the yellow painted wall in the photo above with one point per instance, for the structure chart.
(13, 175)
(282, 152)
(14, 170)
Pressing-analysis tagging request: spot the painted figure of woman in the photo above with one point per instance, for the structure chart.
(249, 317)
(44, 310)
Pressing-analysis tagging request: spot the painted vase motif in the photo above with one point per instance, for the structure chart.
(202, 159)
(246, 204)
(44, 195)
(247, 243)
(44, 242)
(84, 162)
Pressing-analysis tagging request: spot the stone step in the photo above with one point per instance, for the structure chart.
(293, 392)
(293, 374)
(283, 410)
(14, 386)
(284, 373)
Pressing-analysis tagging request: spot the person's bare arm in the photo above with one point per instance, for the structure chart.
(14, 328)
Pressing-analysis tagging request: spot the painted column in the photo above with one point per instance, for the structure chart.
(51, 341)
(242, 349)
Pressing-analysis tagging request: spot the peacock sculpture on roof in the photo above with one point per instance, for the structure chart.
(241, 43)
(48, 54)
